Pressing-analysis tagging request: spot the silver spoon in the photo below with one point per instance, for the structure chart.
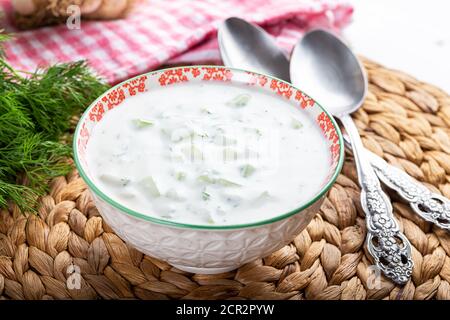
(328, 69)
(399, 269)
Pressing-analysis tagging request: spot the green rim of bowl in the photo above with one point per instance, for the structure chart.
(169, 223)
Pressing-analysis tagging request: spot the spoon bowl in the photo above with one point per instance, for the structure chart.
(240, 42)
(327, 69)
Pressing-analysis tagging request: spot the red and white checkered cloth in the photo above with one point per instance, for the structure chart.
(165, 32)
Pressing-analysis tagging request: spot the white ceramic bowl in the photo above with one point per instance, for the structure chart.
(200, 248)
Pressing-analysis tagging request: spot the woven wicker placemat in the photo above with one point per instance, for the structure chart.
(403, 120)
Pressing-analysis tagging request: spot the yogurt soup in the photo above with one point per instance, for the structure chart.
(208, 154)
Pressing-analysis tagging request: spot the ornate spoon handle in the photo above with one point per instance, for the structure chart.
(387, 245)
(430, 206)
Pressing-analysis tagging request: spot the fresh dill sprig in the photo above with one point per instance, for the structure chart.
(35, 110)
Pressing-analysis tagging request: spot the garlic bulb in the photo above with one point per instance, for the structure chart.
(24, 7)
(110, 9)
(35, 13)
(90, 6)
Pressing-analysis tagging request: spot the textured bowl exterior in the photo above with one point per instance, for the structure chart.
(205, 249)
(202, 250)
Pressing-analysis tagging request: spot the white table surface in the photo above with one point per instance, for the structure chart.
(409, 35)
